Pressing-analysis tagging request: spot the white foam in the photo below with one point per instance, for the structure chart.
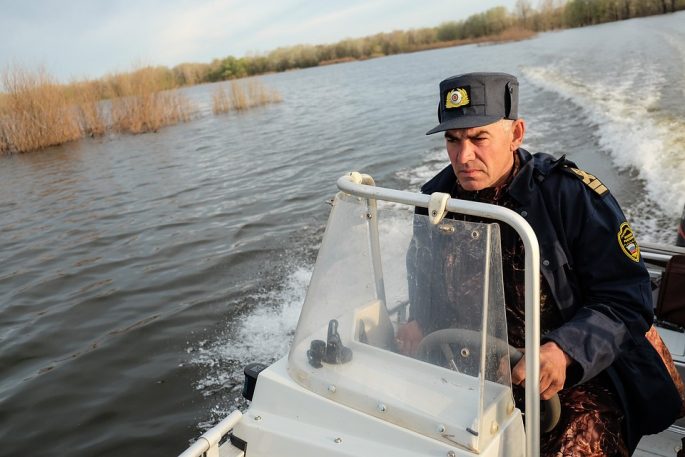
(273, 322)
(434, 161)
(263, 336)
(629, 126)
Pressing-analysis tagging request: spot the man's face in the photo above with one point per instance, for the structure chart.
(483, 156)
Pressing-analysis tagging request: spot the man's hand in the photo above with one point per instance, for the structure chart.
(553, 364)
(409, 336)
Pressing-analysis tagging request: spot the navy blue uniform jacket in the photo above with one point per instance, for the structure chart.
(603, 294)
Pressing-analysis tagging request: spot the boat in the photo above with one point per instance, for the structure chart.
(345, 390)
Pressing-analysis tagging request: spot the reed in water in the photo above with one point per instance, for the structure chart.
(242, 96)
(35, 112)
(90, 110)
(221, 102)
(145, 102)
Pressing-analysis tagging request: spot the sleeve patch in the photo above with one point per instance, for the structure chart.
(589, 180)
(626, 239)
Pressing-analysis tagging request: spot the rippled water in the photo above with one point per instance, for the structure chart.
(140, 273)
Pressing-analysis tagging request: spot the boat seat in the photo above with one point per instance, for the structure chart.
(670, 306)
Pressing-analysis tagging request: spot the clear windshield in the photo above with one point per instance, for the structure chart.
(375, 271)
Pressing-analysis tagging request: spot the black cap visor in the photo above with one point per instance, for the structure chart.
(464, 122)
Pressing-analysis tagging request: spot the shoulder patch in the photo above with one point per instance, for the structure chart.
(589, 180)
(626, 239)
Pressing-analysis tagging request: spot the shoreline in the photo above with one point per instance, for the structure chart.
(508, 36)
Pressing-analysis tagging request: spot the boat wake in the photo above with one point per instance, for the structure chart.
(630, 125)
(262, 335)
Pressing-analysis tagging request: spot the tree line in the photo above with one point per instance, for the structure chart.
(495, 23)
(556, 14)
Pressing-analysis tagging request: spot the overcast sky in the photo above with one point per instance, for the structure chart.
(88, 38)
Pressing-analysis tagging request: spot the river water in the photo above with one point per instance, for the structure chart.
(139, 274)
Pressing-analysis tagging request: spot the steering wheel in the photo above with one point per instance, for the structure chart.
(550, 410)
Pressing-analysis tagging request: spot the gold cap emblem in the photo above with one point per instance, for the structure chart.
(457, 98)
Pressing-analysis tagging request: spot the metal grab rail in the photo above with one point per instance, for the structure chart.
(352, 184)
(208, 443)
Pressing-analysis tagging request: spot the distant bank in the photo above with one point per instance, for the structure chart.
(494, 25)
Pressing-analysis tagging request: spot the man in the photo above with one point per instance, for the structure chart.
(595, 290)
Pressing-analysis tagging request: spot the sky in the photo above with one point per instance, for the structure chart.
(90, 38)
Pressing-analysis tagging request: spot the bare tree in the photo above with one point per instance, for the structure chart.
(550, 14)
(523, 11)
